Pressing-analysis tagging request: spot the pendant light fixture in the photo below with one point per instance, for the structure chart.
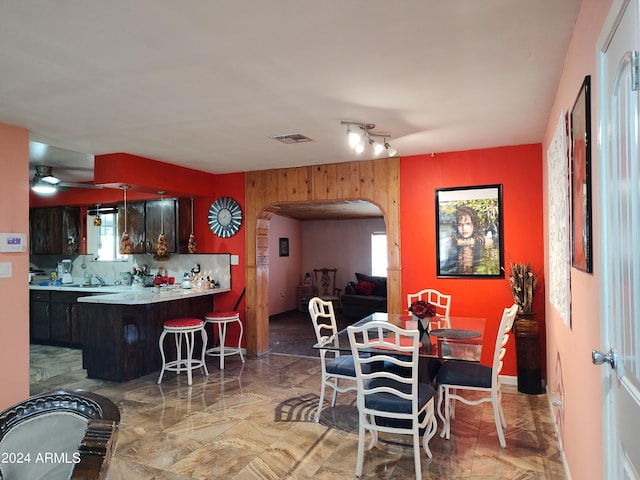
(161, 245)
(97, 221)
(125, 241)
(192, 246)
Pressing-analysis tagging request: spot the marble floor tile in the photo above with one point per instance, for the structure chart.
(255, 421)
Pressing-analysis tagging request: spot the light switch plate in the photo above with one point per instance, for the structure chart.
(235, 260)
(6, 269)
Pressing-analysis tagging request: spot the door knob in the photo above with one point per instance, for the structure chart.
(598, 358)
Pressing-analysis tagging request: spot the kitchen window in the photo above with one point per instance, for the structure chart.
(102, 235)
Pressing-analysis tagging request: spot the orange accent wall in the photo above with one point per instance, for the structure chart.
(14, 295)
(519, 170)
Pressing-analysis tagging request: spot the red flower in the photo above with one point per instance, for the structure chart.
(422, 309)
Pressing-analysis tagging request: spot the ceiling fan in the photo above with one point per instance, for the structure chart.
(44, 182)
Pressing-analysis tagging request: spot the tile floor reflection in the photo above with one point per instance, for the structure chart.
(255, 421)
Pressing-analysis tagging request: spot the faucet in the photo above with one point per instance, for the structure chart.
(101, 280)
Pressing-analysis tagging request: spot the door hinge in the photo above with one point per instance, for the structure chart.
(634, 71)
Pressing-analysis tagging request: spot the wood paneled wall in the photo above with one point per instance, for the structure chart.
(377, 181)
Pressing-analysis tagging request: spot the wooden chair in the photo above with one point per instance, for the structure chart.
(325, 284)
(78, 426)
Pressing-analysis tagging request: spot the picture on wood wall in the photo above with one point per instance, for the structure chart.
(581, 179)
(469, 232)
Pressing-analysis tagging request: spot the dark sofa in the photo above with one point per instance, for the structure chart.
(362, 298)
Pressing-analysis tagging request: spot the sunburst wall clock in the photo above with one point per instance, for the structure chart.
(225, 217)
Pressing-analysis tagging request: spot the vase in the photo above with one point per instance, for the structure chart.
(528, 360)
(423, 328)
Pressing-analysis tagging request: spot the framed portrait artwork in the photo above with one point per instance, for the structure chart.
(284, 247)
(581, 226)
(469, 232)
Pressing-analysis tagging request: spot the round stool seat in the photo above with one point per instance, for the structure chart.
(183, 323)
(230, 315)
(183, 329)
(222, 319)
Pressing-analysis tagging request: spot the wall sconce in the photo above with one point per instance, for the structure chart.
(363, 133)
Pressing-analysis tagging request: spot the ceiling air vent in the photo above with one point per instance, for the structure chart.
(291, 138)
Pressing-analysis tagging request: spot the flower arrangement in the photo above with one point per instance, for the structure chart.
(138, 275)
(523, 281)
(422, 309)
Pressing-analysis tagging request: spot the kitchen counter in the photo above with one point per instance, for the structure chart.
(120, 331)
(126, 295)
(76, 287)
(145, 296)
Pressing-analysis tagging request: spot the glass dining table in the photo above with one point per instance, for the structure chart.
(448, 338)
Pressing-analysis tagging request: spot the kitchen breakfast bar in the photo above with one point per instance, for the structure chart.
(120, 331)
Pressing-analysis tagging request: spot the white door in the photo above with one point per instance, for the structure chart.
(620, 259)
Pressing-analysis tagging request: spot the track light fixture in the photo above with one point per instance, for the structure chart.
(364, 133)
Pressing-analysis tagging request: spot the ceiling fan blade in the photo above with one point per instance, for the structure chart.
(79, 185)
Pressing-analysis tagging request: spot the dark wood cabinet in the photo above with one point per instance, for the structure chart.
(185, 224)
(55, 318)
(121, 341)
(134, 225)
(54, 230)
(39, 316)
(160, 217)
(65, 324)
(146, 220)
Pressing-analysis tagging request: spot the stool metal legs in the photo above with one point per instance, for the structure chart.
(187, 363)
(222, 350)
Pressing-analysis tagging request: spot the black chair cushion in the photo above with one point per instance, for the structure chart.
(342, 365)
(454, 372)
(389, 402)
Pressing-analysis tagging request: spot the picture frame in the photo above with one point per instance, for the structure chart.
(284, 247)
(581, 220)
(469, 239)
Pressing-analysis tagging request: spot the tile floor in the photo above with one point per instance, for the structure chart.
(254, 421)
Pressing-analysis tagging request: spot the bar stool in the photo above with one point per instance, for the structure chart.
(183, 327)
(222, 319)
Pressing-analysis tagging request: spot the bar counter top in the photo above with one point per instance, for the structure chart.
(126, 295)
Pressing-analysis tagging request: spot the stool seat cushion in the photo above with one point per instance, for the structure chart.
(221, 315)
(183, 322)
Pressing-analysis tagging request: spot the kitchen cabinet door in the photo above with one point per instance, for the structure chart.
(160, 217)
(135, 225)
(70, 230)
(54, 230)
(65, 322)
(184, 225)
(39, 317)
(60, 322)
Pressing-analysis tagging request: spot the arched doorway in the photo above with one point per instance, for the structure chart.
(376, 181)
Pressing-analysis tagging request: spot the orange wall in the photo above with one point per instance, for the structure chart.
(519, 170)
(571, 373)
(14, 295)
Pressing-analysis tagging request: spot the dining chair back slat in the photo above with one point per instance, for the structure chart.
(456, 376)
(335, 367)
(441, 301)
(390, 398)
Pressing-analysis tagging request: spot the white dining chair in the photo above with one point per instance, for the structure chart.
(390, 399)
(457, 375)
(441, 301)
(336, 368)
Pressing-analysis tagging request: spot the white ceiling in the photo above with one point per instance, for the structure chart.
(204, 84)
